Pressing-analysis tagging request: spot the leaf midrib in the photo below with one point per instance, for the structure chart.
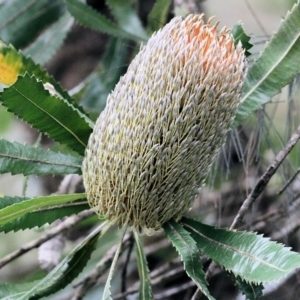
(4, 155)
(228, 247)
(281, 58)
(51, 116)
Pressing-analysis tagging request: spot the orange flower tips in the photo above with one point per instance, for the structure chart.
(164, 124)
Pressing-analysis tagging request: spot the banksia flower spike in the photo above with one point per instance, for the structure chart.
(164, 124)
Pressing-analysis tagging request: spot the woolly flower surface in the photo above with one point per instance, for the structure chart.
(164, 124)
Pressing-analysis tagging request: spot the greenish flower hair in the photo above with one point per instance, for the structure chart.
(164, 124)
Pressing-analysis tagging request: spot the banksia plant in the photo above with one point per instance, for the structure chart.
(163, 125)
(147, 155)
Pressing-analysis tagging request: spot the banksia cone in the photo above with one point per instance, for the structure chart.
(164, 124)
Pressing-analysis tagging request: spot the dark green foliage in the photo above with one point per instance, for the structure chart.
(27, 160)
(29, 101)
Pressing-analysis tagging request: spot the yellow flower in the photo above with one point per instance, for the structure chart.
(164, 124)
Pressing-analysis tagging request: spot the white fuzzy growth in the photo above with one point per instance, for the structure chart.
(153, 145)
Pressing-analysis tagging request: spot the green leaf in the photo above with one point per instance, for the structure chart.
(254, 258)
(127, 18)
(88, 17)
(158, 15)
(44, 216)
(239, 35)
(11, 291)
(250, 290)
(27, 160)
(7, 201)
(103, 81)
(45, 46)
(14, 63)
(274, 68)
(22, 20)
(29, 101)
(106, 292)
(145, 290)
(19, 209)
(64, 273)
(190, 255)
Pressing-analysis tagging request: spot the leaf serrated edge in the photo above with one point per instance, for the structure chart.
(260, 236)
(37, 161)
(171, 225)
(81, 116)
(40, 73)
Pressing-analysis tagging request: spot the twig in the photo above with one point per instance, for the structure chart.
(124, 271)
(288, 182)
(255, 17)
(175, 290)
(290, 228)
(65, 225)
(265, 178)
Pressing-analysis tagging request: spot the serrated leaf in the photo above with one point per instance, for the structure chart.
(145, 290)
(29, 101)
(250, 290)
(64, 273)
(190, 255)
(103, 81)
(45, 46)
(88, 17)
(14, 63)
(127, 18)
(27, 160)
(274, 68)
(239, 35)
(252, 257)
(158, 15)
(106, 292)
(19, 209)
(43, 216)
(22, 20)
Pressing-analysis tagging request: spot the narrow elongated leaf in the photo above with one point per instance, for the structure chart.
(14, 63)
(250, 290)
(44, 216)
(66, 271)
(22, 20)
(24, 159)
(45, 46)
(158, 15)
(274, 68)
(190, 255)
(127, 18)
(145, 290)
(106, 292)
(19, 209)
(88, 17)
(239, 35)
(102, 82)
(29, 101)
(254, 258)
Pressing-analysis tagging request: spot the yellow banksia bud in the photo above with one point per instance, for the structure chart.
(164, 124)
